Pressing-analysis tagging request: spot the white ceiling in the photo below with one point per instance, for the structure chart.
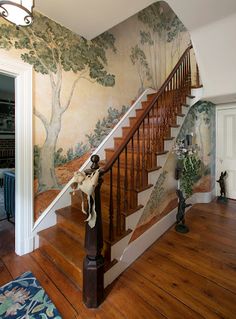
(197, 13)
(90, 18)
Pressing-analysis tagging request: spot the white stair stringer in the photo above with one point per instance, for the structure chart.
(123, 251)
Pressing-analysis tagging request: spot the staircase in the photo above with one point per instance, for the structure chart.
(128, 173)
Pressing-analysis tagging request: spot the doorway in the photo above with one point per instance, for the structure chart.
(226, 146)
(7, 164)
(22, 73)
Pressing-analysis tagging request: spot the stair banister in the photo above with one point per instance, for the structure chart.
(134, 129)
(134, 157)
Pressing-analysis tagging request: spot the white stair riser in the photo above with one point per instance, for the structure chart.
(118, 249)
(174, 131)
(168, 145)
(180, 120)
(144, 195)
(132, 220)
(153, 176)
(161, 159)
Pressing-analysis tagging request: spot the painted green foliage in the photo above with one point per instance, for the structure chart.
(201, 122)
(155, 198)
(161, 26)
(200, 119)
(102, 129)
(52, 49)
(104, 126)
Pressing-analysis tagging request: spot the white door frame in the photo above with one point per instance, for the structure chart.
(220, 107)
(22, 73)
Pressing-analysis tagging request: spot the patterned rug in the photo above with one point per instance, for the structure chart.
(24, 298)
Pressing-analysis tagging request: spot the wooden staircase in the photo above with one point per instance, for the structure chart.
(124, 175)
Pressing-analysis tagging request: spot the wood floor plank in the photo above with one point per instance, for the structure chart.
(130, 304)
(205, 297)
(17, 265)
(5, 276)
(206, 266)
(225, 210)
(212, 249)
(181, 276)
(70, 291)
(166, 304)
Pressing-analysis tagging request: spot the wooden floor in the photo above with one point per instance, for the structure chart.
(180, 276)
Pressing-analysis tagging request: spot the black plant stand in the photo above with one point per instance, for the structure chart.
(180, 217)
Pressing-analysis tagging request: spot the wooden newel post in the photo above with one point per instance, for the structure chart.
(93, 270)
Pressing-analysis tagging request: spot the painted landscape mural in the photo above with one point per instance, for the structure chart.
(200, 122)
(81, 88)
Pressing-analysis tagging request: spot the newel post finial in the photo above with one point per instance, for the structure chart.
(93, 269)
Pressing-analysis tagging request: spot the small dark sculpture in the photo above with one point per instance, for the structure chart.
(180, 220)
(221, 181)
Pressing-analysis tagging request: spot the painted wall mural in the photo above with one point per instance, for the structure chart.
(81, 88)
(201, 122)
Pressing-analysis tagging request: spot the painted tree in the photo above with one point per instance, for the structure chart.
(162, 26)
(175, 37)
(52, 49)
(138, 58)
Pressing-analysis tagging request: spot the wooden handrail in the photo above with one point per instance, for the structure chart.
(135, 127)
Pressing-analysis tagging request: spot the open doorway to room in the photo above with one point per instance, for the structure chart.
(7, 164)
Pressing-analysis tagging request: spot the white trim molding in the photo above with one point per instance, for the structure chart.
(24, 152)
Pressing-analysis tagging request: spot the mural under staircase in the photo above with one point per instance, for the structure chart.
(130, 164)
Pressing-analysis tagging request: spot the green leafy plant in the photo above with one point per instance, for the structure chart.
(191, 165)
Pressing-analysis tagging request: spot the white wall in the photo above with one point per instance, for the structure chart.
(212, 25)
(215, 48)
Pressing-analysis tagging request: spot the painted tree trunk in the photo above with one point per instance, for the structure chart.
(47, 176)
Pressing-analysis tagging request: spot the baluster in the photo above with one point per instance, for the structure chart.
(153, 145)
(179, 89)
(111, 209)
(148, 165)
(118, 211)
(176, 95)
(190, 75)
(93, 266)
(185, 78)
(138, 160)
(132, 193)
(172, 100)
(143, 153)
(169, 106)
(126, 183)
(182, 85)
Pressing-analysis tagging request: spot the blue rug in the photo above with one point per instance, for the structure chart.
(25, 298)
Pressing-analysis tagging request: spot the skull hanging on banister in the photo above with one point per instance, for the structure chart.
(87, 185)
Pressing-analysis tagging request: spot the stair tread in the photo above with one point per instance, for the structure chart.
(133, 210)
(71, 213)
(153, 169)
(162, 153)
(76, 216)
(168, 138)
(71, 249)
